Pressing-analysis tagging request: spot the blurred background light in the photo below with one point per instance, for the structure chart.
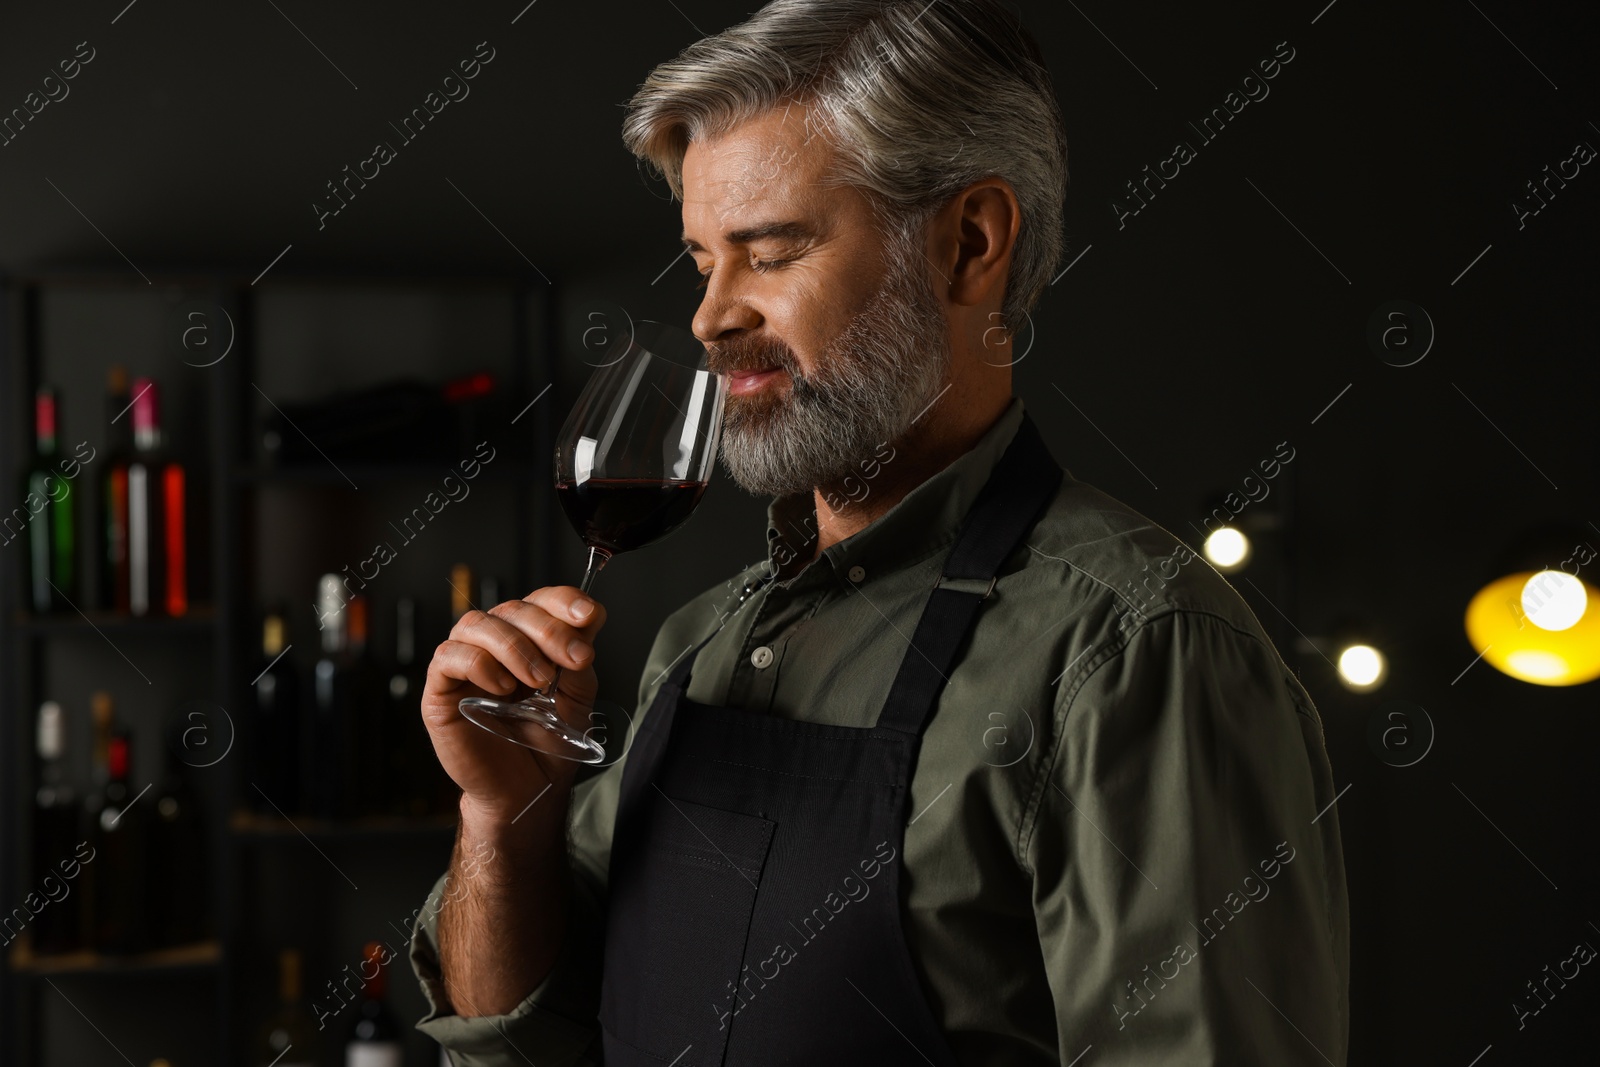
(1537, 626)
(1362, 667)
(1554, 600)
(1228, 549)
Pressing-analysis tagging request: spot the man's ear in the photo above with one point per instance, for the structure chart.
(974, 237)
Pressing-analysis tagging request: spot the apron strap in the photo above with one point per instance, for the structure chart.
(1011, 502)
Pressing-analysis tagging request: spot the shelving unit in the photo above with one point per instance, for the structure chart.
(260, 534)
(199, 956)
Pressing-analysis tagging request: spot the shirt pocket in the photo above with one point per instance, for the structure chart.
(677, 932)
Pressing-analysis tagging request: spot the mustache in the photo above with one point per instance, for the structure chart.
(740, 355)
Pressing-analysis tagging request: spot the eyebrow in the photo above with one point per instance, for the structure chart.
(791, 230)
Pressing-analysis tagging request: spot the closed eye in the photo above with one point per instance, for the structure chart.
(760, 266)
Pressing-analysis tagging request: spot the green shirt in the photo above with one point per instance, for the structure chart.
(1124, 832)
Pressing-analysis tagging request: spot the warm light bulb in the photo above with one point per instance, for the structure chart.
(1361, 667)
(1227, 548)
(1554, 600)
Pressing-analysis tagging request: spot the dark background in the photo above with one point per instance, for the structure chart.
(1222, 319)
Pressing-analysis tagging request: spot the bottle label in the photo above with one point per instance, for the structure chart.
(374, 1054)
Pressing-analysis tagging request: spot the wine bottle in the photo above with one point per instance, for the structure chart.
(460, 591)
(374, 1039)
(52, 545)
(368, 767)
(157, 547)
(330, 739)
(180, 912)
(275, 744)
(59, 927)
(113, 546)
(120, 836)
(102, 719)
(412, 765)
(288, 1039)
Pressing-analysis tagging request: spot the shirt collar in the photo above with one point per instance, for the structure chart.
(924, 520)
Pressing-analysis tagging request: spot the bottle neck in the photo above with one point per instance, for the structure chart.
(374, 984)
(289, 977)
(405, 639)
(117, 760)
(51, 743)
(332, 613)
(44, 422)
(50, 771)
(147, 438)
(355, 618)
(146, 416)
(103, 715)
(272, 636)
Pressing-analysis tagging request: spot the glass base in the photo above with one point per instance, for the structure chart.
(533, 723)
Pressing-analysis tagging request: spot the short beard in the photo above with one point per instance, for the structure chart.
(873, 381)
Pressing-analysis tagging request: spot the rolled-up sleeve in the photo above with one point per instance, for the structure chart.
(552, 1026)
(1189, 883)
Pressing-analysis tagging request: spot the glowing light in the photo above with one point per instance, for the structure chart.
(1227, 549)
(1532, 664)
(1362, 667)
(1535, 627)
(1554, 600)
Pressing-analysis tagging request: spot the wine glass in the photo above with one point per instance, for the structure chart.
(632, 461)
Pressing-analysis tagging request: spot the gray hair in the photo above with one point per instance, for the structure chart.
(920, 99)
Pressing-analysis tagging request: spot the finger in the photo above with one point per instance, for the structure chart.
(461, 661)
(562, 642)
(569, 603)
(511, 645)
(524, 634)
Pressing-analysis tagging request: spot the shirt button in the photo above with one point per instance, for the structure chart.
(761, 658)
(857, 574)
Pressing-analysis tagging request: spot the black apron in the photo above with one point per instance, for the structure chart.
(754, 906)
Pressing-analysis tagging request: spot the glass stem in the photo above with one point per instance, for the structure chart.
(597, 560)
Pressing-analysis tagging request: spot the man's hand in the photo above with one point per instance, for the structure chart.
(506, 653)
(500, 932)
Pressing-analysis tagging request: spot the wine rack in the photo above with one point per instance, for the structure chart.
(259, 534)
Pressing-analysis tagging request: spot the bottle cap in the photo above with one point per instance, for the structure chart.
(357, 621)
(52, 731)
(460, 590)
(372, 960)
(117, 757)
(146, 406)
(272, 635)
(331, 611)
(146, 415)
(44, 415)
(100, 709)
(405, 641)
(289, 974)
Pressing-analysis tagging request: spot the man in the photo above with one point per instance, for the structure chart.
(980, 766)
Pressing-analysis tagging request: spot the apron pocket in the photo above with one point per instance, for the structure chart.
(678, 927)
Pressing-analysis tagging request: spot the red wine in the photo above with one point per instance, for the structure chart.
(622, 514)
